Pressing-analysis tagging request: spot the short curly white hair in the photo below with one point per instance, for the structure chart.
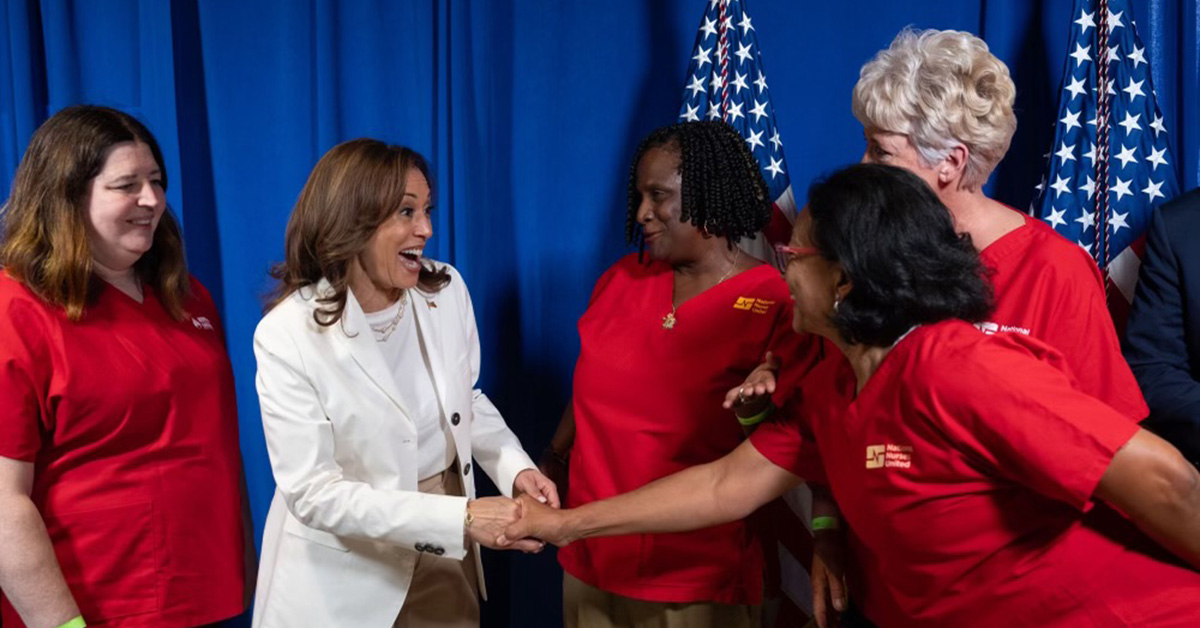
(941, 89)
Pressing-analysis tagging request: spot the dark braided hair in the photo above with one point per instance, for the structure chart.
(723, 192)
(896, 241)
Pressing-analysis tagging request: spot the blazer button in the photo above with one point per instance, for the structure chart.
(438, 551)
(455, 419)
(467, 469)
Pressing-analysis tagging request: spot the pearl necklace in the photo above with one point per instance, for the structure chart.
(384, 331)
(669, 320)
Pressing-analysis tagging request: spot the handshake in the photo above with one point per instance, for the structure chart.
(525, 523)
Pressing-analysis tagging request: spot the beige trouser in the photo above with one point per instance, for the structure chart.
(444, 592)
(585, 606)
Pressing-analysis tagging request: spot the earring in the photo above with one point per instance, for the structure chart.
(836, 302)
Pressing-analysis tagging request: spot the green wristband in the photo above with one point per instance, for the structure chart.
(825, 523)
(75, 623)
(758, 418)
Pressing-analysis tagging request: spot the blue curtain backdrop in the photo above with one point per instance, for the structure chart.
(529, 112)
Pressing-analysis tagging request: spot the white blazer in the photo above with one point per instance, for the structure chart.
(347, 524)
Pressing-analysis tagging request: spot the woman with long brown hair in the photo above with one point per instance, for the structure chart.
(367, 363)
(121, 499)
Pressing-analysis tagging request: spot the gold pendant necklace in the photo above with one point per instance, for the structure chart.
(669, 320)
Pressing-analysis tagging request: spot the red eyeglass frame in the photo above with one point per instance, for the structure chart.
(784, 254)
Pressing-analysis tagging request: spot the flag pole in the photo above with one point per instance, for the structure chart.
(723, 54)
(1102, 144)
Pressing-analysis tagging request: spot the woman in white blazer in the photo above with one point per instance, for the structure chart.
(367, 362)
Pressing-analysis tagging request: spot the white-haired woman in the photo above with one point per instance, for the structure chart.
(940, 104)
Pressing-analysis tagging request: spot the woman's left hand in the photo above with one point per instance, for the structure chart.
(533, 483)
(753, 395)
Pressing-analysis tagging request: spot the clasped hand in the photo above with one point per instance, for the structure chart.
(491, 516)
(539, 516)
(537, 521)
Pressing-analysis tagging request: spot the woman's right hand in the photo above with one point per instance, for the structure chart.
(539, 521)
(489, 516)
(29, 570)
(828, 577)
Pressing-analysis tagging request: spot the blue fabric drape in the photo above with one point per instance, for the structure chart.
(528, 111)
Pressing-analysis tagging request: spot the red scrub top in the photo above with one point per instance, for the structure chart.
(1046, 288)
(648, 404)
(1049, 288)
(966, 466)
(130, 419)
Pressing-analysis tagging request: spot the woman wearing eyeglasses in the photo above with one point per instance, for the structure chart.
(665, 336)
(991, 490)
(939, 104)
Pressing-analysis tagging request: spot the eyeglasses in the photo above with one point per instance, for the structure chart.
(784, 254)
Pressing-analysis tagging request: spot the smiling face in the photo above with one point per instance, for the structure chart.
(660, 184)
(391, 259)
(124, 204)
(813, 282)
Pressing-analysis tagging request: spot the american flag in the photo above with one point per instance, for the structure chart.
(726, 80)
(1110, 164)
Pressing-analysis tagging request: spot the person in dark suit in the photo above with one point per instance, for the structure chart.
(1162, 341)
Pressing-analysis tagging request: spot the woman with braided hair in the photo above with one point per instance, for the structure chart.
(666, 334)
(995, 492)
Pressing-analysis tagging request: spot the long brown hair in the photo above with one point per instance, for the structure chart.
(350, 192)
(46, 244)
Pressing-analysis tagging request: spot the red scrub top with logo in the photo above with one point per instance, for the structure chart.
(1049, 288)
(1046, 288)
(648, 404)
(966, 466)
(130, 420)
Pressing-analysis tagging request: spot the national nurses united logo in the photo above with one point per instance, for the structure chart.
(889, 455)
(752, 304)
(990, 328)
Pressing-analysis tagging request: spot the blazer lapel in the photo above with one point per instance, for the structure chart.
(430, 330)
(355, 335)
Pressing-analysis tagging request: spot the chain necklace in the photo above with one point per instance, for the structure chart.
(669, 320)
(384, 331)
